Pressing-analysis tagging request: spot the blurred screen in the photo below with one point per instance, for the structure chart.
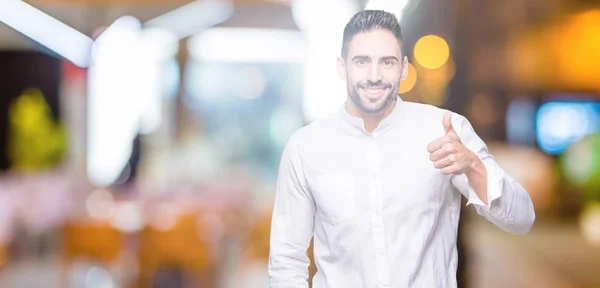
(559, 123)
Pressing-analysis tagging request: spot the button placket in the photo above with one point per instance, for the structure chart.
(376, 200)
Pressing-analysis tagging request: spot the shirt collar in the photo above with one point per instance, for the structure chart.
(355, 123)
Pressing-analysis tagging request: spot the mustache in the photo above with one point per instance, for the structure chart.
(378, 84)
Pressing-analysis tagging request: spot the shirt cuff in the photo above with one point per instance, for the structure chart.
(494, 186)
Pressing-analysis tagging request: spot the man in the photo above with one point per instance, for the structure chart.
(378, 183)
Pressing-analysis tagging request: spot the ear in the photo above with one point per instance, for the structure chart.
(341, 68)
(404, 68)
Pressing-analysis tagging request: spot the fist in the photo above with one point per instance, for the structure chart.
(448, 153)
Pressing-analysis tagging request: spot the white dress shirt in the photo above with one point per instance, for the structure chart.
(381, 214)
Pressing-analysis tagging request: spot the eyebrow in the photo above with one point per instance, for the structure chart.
(360, 57)
(364, 57)
(386, 58)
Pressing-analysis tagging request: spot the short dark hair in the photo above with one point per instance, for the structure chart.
(367, 20)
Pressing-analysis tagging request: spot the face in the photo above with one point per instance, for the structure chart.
(373, 70)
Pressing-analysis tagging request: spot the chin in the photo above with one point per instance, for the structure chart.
(370, 106)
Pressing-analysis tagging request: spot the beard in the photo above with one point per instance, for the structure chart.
(370, 106)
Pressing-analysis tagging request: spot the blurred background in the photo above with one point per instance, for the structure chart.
(140, 140)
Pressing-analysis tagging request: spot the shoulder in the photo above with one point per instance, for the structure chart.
(309, 135)
(423, 111)
(426, 113)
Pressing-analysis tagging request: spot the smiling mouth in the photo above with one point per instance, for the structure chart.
(374, 92)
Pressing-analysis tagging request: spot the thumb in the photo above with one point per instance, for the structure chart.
(447, 122)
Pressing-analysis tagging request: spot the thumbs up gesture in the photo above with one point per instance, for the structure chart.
(448, 153)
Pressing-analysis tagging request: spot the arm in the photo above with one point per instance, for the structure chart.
(292, 223)
(496, 196)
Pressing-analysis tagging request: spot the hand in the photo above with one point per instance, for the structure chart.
(448, 153)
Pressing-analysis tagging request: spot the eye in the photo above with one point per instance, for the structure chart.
(361, 62)
(388, 63)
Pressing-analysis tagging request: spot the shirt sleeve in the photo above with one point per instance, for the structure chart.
(292, 224)
(509, 205)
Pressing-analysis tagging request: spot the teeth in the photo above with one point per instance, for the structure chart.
(375, 90)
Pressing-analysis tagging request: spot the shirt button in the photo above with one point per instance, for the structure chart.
(380, 252)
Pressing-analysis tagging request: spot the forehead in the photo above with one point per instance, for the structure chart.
(374, 43)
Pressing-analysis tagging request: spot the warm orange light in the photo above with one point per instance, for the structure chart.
(433, 83)
(431, 51)
(410, 81)
(483, 110)
(560, 56)
(579, 50)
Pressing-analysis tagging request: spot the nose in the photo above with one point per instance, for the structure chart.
(374, 72)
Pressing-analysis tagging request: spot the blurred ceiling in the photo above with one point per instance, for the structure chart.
(89, 15)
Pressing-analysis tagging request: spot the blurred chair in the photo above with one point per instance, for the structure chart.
(256, 258)
(259, 239)
(176, 248)
(251, 269)
(89, 240)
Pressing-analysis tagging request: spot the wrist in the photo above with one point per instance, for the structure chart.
(476, 166)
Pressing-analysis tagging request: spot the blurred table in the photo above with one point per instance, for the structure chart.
(553, 255)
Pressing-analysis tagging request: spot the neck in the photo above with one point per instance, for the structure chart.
(371, 120)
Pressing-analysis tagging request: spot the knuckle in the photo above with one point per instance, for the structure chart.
(452, 157)
(448, 147)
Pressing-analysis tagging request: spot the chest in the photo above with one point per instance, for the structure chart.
(388, 175)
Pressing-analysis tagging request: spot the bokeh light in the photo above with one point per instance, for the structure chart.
(579, 52)
(128, 217)
(164, 216)
(483, 109)
(433, 83)
(581, 165)
(432, 51)
(283, 123)
(560, 124)
(568, 45)
(250, 83)
(98, 277)
(589, 223)
(100, 205)
(410, 81)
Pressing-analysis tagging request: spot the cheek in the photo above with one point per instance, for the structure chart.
(353, 80)
(355, 75)
(394, 75)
